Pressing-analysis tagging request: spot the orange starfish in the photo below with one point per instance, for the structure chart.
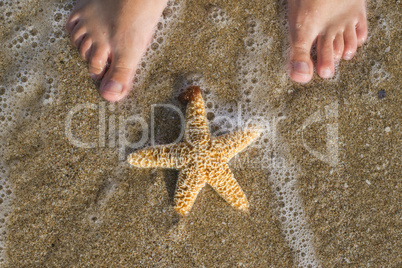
(201, 159)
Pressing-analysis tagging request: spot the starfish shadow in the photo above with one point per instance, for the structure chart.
(170, 176)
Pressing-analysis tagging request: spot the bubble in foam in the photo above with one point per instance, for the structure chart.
(217, 15)
(255, 39)
(383, 26)
(213, 45)
(377, 73)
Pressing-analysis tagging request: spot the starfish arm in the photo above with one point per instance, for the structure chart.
(230, 144)
(224, 183)
(189, 184)
(163, 156)
(196, 131)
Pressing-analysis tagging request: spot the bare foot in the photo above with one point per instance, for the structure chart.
(116, 32)
(338, 27)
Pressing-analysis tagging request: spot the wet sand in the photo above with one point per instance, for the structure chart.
(84, 207)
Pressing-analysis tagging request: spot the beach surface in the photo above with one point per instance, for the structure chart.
(323, 182)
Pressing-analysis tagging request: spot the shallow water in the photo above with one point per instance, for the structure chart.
(322, 182)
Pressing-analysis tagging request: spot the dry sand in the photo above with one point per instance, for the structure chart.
(83, 207)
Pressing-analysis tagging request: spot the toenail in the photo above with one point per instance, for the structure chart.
(113, 88)
(348, 55)
(300, 67)
(326, 73)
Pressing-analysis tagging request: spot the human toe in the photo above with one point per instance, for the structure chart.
(117, 82)
(361, 31)
(117, 85)
(350, 40)
(325, 56)
(98, 60)
(78, 34)
(300, 66)
(338, 46)
(72, 21)
(85, 47)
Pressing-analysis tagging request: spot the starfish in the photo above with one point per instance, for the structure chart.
(200, 159)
